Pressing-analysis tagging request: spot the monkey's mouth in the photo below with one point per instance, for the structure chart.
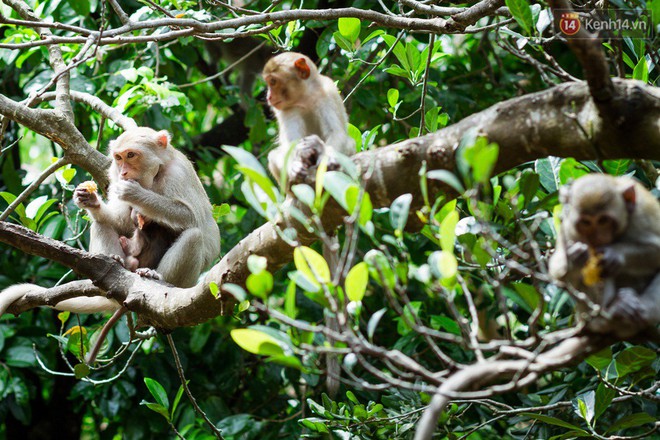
(275, 103)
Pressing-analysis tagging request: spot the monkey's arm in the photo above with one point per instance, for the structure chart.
(115, 214)
(333, 120)
(169, 210)
(636, 259)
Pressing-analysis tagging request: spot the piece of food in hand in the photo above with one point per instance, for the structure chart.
(591, 271)
(89, 186)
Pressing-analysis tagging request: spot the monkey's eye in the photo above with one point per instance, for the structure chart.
(584, 223)
(117, 157)
(130, 155)
(272, 81)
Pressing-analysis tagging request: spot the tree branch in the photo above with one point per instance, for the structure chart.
(568, 352)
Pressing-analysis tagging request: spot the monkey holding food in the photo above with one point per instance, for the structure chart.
(608, 247)
(150, 177)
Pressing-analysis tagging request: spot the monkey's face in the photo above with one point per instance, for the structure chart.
(597, 230)
(286, 76)
(135, 163)
(283, 91)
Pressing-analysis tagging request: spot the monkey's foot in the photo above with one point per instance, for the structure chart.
(305, 158)
(145, 272)
(118, 259)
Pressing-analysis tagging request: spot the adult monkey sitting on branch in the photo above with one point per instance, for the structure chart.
(150, 176)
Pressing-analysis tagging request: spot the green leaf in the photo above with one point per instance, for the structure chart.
(260, 284)
(221, 211)
(641, 71)
(392, 97)
(177, 399)
(634, 359)
(552, 421)
(599, 361)
(356, 281)
(366, 207)
(257, 342)
(63, 317)
(157, 408)
(444, 264)
(448, 232)
(311, 264)
(290, 308)
(585, 406)
(604, 396)
(349, 27)
(82, 7)
(399, 211)
(380, 268)
(447, 177)
(157, 391)
(245, 159)
(304, 193)
(68, 174)
(571, 169)
(522, 13)
(214, 289)
(616, 167)
(529, 296)
(631, 421)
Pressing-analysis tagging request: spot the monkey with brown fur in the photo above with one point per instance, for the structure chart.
(151, 177)
(147, 246)
(305, 103)
(312, 120)
(616, 221)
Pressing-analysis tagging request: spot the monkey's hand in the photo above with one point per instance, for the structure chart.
(628, 307)
(85, 199)
(578, 254)
(127, 190)
(611, 262)
(305, 158)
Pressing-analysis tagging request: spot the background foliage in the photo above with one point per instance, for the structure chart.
(498, 252)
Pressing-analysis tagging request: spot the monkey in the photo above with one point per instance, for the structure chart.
(305, 103)
(614, 222)
(311, 114)
(147, 175)
(147, 246)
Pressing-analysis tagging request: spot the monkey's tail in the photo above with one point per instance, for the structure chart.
(75, 305)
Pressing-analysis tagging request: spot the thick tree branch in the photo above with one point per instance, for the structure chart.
(552, 122)
(568, 352)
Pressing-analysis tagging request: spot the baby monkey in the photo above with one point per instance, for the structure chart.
(147, 246)
(306, 105)
(608, 247)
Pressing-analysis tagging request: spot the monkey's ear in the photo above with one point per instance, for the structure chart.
(163, 138)
(302, 69)
(629, 197)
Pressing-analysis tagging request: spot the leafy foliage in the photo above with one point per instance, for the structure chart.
(258, 374)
